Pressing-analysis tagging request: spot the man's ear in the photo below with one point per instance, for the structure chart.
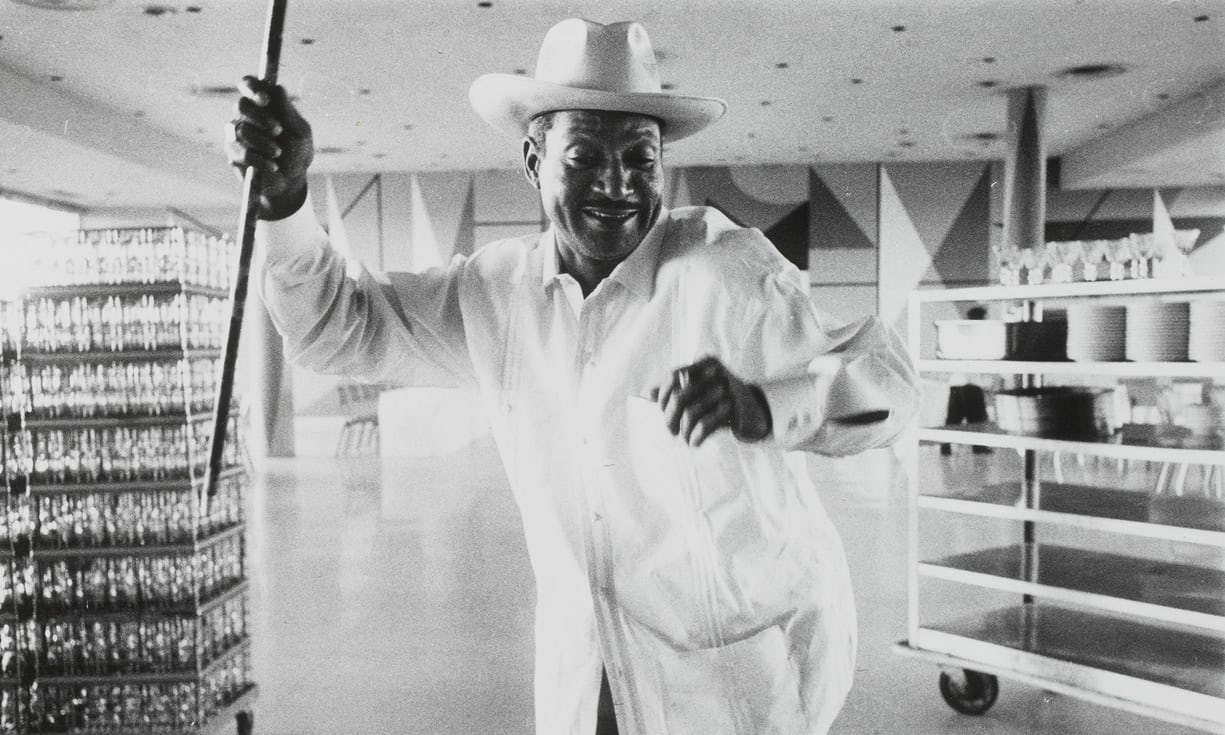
(531, 162)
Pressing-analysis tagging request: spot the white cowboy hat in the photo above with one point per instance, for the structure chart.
(591, 66)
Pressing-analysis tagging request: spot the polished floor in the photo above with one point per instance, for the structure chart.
(393, 596)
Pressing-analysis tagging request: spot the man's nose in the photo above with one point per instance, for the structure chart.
(614, 180)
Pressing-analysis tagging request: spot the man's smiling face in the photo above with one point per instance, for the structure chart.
(601, 183)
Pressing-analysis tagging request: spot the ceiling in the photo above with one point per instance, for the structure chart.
(122, 104)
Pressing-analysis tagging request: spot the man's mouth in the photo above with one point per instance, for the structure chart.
(610, 215)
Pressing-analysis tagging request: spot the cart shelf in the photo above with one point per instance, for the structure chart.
(991, 436)
(1174, 593)
(140, 486)
(161, 355)
(43, 553)
(1060, 367)
(1182, 288)
(111, 422)
(1161, 672)
(162, 288)
(122, 615)
(1185, 518)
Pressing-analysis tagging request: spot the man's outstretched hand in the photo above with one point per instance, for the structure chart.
(269, 134)
(702, 398)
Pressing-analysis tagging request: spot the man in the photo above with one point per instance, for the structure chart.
(645, 372)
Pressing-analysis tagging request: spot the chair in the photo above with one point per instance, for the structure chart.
(360, 433)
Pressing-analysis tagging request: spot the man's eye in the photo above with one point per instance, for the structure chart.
(581, 159)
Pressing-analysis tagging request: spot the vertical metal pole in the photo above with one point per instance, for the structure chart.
(1024, 227)
(238, 295)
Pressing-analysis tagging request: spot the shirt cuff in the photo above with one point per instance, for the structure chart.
(797, 407)
(284, 239)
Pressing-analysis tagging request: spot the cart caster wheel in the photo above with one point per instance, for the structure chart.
(971, 694)
(245, 722)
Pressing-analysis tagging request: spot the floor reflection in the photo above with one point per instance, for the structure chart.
(394, 596)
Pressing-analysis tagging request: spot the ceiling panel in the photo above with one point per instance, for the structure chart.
(385, 83)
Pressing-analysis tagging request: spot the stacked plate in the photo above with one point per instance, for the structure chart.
(1097, 333)
(1206, 342)
(1158, 331)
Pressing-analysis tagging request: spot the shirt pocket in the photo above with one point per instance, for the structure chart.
(749, 687)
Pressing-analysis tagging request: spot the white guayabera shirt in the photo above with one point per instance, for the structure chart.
(709, 581)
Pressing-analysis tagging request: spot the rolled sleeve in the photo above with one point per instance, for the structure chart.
(797, 407)
(338, 317)
(866, 368)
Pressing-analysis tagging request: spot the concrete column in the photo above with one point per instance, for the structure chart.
(1025, 169)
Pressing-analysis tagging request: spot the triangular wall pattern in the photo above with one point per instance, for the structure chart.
(933, 194)
(904, 256)
(832, 226)
(961, 256)
(853, 187)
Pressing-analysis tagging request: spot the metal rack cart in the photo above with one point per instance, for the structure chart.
(123, 592)
(1135, 633)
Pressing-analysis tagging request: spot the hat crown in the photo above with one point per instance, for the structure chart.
(617, 57)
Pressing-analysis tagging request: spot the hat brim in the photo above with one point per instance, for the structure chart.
(509, 102)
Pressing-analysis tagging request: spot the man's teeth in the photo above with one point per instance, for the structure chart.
(619, 214)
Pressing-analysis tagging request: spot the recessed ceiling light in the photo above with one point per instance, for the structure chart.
(56, 78)
(1092, 71)
(782, 65)
(667, 85)
(484, 4)
(988, 83)
(521, 72)
(906, 143)
(827, 118)
(214, 90)
(194, 9)
(750, 135)
(988, 59)
(765, 103)
(1201, 18)
(856, 80)
(159, 10)
(899, 29)
(307, 41)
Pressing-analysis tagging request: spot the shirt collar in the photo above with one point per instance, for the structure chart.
(636, 273)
